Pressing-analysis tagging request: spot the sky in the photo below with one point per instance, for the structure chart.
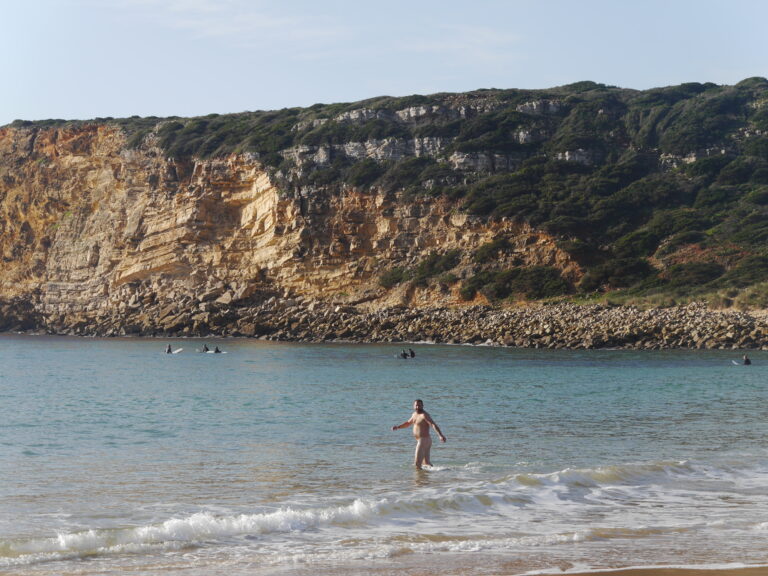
(83, 59)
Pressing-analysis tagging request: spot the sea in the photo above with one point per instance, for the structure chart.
(280, 459)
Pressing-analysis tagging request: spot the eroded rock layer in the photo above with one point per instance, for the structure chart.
(99, 238)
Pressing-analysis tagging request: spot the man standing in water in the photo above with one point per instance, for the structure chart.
(421, 421)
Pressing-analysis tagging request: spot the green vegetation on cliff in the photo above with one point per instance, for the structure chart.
(655, 192)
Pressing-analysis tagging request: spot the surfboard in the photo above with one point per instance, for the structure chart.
(736, 363)
(178, 350)
(214, 352)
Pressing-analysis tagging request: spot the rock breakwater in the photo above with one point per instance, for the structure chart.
(561, 325)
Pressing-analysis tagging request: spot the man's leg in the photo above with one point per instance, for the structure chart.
(427, 442)
(418, 458)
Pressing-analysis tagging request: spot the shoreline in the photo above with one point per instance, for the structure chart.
(494, 565)
(671, 571)
(558, 325)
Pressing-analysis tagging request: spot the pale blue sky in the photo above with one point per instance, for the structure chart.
(80, 59)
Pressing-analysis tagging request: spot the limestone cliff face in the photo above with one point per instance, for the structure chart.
(90, 229)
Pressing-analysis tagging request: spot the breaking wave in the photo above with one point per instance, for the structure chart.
(632, 501)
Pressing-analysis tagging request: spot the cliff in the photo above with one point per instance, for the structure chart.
(211, 224)
(97, 235)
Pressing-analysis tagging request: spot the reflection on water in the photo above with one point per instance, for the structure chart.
(420, 477)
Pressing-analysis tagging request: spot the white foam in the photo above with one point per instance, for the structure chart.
(627, 503)
(173, 532)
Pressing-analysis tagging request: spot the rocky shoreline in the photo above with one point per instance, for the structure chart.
(561, 325)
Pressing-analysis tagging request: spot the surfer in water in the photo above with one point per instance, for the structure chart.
(421, 422)
(168, 350)
(747, 361)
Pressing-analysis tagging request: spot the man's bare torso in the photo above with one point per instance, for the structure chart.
(420, 423)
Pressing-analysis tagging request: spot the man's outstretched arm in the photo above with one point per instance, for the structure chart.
(436, 427)
(403, 425)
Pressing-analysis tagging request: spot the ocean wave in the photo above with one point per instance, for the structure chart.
(179, 532)
(742, 474)
(629, 501)
(639, 473)
(395, 514)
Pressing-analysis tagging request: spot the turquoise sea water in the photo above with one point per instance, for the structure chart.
(279, 459)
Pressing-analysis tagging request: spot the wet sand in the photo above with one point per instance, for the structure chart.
(756, 571)
(489, 566)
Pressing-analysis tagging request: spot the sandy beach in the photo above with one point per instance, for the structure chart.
(755, 571)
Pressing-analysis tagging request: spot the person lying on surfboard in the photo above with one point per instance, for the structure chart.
(421, 422)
